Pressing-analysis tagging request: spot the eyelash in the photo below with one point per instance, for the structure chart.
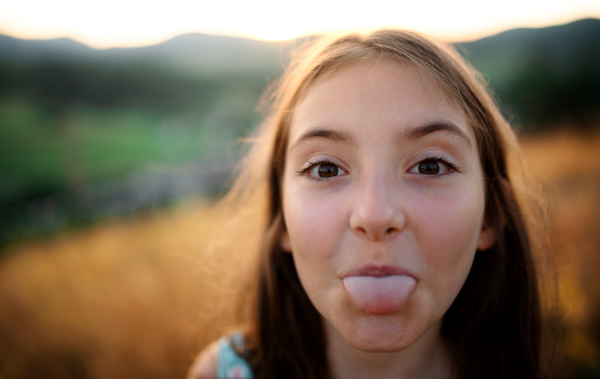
(452, 168)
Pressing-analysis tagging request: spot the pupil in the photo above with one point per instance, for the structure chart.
(429, 167)
(327, 170)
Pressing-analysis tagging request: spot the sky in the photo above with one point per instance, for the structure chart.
(128, 23)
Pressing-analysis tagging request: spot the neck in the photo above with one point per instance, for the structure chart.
(429, 357)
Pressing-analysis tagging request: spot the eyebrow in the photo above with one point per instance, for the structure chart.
(437, 126)
(410, 134)
(329, 134)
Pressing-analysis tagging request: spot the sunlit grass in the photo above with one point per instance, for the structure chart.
(118, 301)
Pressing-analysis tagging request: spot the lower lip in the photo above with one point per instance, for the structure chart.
(380, 295)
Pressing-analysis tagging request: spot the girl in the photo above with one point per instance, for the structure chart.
(396, 239)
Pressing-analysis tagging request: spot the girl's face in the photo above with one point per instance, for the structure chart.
(383, 201)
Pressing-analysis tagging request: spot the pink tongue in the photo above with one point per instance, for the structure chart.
(379, 295)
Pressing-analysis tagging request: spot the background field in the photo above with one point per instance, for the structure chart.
(109, 170)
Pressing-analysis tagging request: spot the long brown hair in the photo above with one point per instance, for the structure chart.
(494, 327)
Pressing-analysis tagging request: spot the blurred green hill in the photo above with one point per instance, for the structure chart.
(87, 134)
(545, 78)
(194, 52)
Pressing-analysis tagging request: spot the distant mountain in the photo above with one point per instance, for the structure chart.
(202, 51)
(562, 44)
(561, 40)
(542, 76)
(21, 50)
(191, 52)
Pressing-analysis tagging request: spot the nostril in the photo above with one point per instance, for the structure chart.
(391, 230)
(373, 234)
(361, 230)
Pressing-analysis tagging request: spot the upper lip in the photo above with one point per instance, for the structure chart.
(378, 271)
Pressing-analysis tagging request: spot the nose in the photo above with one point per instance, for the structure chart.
(377, 213)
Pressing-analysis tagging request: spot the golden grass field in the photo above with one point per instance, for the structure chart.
(128, 298)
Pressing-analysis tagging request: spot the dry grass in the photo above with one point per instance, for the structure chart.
(128, 299)
(568, 166)
(118, 301)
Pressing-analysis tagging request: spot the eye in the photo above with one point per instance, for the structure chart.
(433, 167)
(322, 170)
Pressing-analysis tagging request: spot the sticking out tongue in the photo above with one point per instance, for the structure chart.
(379, 295)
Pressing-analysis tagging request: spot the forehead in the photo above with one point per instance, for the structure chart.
(372, 93)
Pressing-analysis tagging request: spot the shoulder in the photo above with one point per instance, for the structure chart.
(220, 360)
(205, 365)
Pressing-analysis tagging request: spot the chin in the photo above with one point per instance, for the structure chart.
(380, 348)
(379, 334)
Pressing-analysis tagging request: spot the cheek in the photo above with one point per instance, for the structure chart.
(315, 231)
(314, 224)
(449, 231)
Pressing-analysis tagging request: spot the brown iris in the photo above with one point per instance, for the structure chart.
(429, 168)
(327, 170)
